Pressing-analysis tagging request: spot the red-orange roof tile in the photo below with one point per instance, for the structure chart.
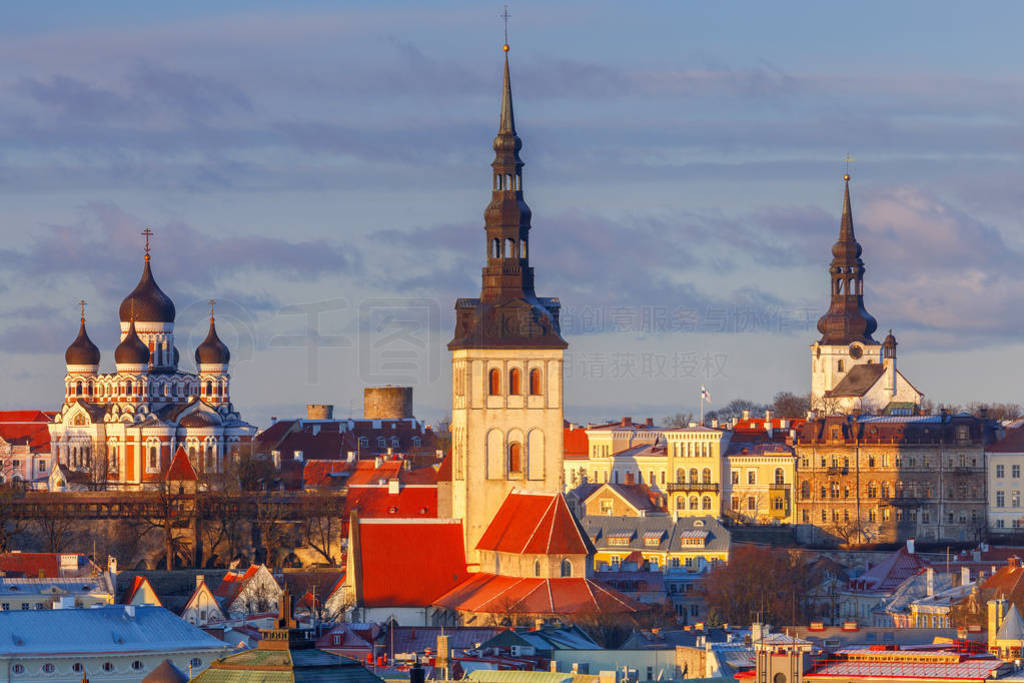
(575, 444)
(30, 565)
(233, 583)
(535, 523)
(1013, 442)
(325, 473)
(26, 427)
(492, 593)
(409, 563)
(180, 468)
(376, 502)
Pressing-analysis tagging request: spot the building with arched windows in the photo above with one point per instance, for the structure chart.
(122, 428)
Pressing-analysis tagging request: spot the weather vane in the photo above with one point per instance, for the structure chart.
(505, 15)
(848, 159)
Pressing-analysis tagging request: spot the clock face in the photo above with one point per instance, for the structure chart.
(855, 351)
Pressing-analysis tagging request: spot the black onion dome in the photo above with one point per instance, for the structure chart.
(82, 351)
(132, 350)
(212, 350)
(177, 356)
(147, 302)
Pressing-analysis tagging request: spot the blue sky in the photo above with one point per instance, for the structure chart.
(684, 160)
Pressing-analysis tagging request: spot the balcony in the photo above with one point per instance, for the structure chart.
(778, 487)
(692, 486)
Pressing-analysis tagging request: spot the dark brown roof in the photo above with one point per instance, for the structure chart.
(212, 350)
(858, 380)
(147, 303)
(82, 351)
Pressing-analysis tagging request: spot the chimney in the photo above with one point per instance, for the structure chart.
(929, 582)
(767, 416)
(649, 422)
(393, 487)
(273, 419)
(299, 455)
(200, 580)
(910, 546)
(627, 422)
(965, 576)
(1013, 563)
(129, 611)
(714, 423)
(976, 555)
(391, 451)
(377, 461)
(538, 624)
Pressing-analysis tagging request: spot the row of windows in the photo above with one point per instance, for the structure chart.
(779, 478)
(1001, 499)
(1001, 471)
(514, 382)
(910, 461)
(778, 503)
(704, 503)
(130, 388)
(108, 667)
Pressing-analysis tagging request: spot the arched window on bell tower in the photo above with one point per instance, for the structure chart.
(494, 382)
(514, 382)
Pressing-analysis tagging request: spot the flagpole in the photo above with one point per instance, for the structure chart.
(702, 406)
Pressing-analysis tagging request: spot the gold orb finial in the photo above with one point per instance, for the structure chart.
(505, 47)
(846, 177)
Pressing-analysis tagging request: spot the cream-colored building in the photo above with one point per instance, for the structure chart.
(18, 594)
(760, 486)
(1004, 467)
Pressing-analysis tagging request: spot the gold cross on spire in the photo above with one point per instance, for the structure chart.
(147, 233)
(82, 304)
(505, 15)
(848, 159)
(212, 302)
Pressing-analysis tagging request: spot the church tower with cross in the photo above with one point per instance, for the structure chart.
(121, 429)
(850, 370)
(507, 354)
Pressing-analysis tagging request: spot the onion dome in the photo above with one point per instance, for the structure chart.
(212, 351)
(147, 302)
(132, 350)
(82, 351)
(177, 356)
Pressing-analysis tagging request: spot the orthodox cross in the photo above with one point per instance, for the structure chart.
(82, 304)
(147, 233)
(212, 302)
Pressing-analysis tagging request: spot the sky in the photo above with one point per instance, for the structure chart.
(321, 170)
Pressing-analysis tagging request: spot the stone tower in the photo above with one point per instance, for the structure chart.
(506, 359)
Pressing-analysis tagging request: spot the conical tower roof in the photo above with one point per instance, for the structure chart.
(147, 302)
(82, 351)
(212, 350)
(131, 350)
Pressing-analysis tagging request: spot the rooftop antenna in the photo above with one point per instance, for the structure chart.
(505, 16)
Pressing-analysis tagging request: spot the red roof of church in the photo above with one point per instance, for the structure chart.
(376, 502)
(180, 468)
(492, 593)
(408, 563)
(535, 524)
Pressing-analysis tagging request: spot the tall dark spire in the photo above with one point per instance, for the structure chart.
(523, 319)
(847, 320)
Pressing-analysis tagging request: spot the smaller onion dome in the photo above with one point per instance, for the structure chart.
(82, 351)
(889, 346)
(131, 351)
(212, 351)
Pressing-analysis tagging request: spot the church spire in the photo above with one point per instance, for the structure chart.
(507, 218)
(508, 312)
(847, 320)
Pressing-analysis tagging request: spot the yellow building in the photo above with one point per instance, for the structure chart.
(693, 543)
(760, 484)
(694, 466)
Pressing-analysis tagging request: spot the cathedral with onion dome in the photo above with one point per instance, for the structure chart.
(122, 428)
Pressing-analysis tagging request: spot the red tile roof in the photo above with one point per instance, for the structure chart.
(137, 585)
(375, 502)
(369, 473)
(233, 583)
(30, 565)
(1013, 442)
(26, 427)
(535, 524)
(444, 471)
(575, 444)
(180, 468)
(325, 473)
(408, 563)
(888, 574)
(492, 593)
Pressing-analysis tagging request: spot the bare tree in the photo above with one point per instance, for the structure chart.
(321, 525)
(55, 524)
(172, 510)
(271, 522)
(788, 405)
(679, 420)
